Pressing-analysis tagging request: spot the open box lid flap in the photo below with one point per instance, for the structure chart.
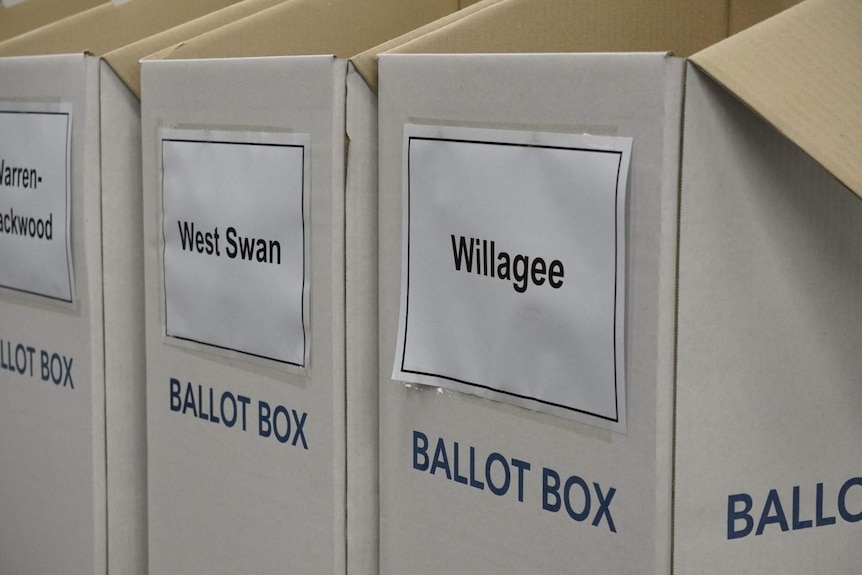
(747, 13)
(513, 26)
(125, 60)
(366, 62)
(343, 28)
(108, 27)
(801, 71)
(33, 14)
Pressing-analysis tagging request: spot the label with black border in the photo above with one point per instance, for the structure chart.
(513, 268)
(234, 215)
(35, 200)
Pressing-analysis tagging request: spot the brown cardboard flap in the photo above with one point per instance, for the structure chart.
(680, 26)
(33, 14)
(125, 61)
(366, 62)
(801, 71)
(745, 13)
(576, 26)
(305, 27)
(107, 27)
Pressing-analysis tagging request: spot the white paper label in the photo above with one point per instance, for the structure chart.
(513, 269)
(35, 199)
(235, 245)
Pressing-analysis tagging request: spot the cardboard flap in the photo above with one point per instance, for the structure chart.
(366, 62)
(32, 14)
(305, 27)
(745, 13)
(645, 28)
(680, 26)
(801, 72)
(125, 61)
(108, 27)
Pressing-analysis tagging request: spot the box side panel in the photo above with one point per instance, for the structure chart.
(229, 499)
(430, 524)
(666, 323)
(125, 381)
(52, 437)
(768, 371)
(92, 203)
(361, 326)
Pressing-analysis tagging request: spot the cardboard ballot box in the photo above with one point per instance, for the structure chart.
(678, 393)
(73, 445)
(768, 476)
(32, 14)
(259, 144)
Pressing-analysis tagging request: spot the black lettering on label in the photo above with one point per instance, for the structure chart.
(18, 177)
(27, 226)
(195, 240)
(259, 250)
(252, 249)
(480, 257)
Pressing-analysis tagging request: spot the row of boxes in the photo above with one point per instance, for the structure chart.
(373, 286)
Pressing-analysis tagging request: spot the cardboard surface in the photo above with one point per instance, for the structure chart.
(360, 274)
(759, 391)
(32, 14)
(431, 523)
(124, 61)
(110, 26)
(366, 62)
(100, 523)
(266, 489)
(332, 489)
(122, 278)
(800, 71)
(52, 436)
(768, 394)
(343, 29)
(744, 13)
(580, 26)
(124, 290)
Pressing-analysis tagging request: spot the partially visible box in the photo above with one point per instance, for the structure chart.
(768, 475)
(26, 16)
(722, 466)
(259, 144)
(73, 446)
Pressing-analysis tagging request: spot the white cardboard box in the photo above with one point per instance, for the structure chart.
(768, 400)
(726, 406)
(225, 494)
(446, 525)
(72, 459)
(52, 444)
